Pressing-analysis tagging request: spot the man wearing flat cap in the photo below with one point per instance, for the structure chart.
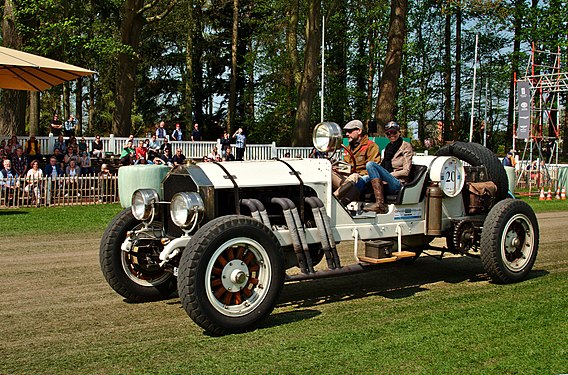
(362, 150)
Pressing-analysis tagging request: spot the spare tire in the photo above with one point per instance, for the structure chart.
(477, 155)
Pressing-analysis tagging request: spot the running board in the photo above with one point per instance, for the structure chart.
(366, 264)
(397, 255)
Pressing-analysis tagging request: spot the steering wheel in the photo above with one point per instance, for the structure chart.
(341, 166)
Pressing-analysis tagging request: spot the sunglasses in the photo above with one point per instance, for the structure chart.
(392, 132)
(350, 130)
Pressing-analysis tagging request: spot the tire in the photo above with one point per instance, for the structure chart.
(126, 272)
(224, 296)
(477, 155)
(509, 241)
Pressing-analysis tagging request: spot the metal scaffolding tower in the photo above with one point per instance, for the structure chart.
(546, 81)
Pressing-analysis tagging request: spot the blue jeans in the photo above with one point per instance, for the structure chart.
(376, 171)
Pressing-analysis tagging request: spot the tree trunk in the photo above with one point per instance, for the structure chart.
(385, 110)
(458, 131)
(446, 136)
(188, 97)
(294, 77)
(371, 73)
(66, 101)
(233, 83)
(92, 108)
(307, 90)
(517, 23)
(197, 53)
(79, 106)
(13, 102)
(131, 29)
(34, 113)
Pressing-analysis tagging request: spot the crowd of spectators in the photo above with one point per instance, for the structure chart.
(69, 159)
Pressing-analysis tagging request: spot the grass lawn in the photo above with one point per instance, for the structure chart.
(57, 220)
(59, 316)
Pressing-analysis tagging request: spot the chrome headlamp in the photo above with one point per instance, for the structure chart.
(327, 137)
(143, 201)
(187, 209)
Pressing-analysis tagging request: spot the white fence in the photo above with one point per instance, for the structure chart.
(60, 191)
(192, 150)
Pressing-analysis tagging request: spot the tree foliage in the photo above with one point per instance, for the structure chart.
(172, 60)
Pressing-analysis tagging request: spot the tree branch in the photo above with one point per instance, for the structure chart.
(160, 16)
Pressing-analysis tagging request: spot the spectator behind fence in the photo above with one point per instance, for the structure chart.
(59, 157)
(85, 163)
(72, 172)
(72, 142)
(225, 142)
(70, 155)
(161, 131)
(13, 145)
(213, 154)
(178, 158)
(240, 144)
(53, 170)
(56, 126)
(70, 125)
(20, 162)
(97, 147)
(105, 183)
(165, 159)
(195, 133)
(177, 134)
(128, 154)
(33, 182)
(229, 154)
(164, 146)
(153, 148)
(9, 181)
(82, 145)
(32, 148)
(141, 151)
(60, 144)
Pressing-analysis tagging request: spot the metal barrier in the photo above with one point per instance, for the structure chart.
(193, 150)
(61, 191)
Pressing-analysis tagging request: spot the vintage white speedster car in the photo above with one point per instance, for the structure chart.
(224, 235)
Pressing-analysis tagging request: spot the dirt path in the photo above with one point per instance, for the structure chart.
(53, 290)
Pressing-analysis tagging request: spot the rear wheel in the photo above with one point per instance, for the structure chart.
(231, 274)
(509, 241)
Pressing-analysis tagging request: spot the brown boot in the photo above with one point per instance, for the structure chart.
(347, 193)
(379, 206)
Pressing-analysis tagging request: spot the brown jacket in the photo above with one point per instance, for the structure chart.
(365, 151)
(402, 161)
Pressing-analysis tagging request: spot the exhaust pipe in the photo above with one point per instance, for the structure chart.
(322, 231)
(261, 211)
(253, 209)
(293, 233)
(327, 226)
(301, 233)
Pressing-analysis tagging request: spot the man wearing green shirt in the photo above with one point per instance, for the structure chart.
(128, 154)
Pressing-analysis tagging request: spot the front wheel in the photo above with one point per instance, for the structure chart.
(509, 241)
(135, 274)
(230, 274)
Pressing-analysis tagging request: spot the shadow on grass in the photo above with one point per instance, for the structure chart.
(392, 282)
(12, 212)
(280, 319)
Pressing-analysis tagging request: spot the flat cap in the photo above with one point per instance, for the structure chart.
(353, 124)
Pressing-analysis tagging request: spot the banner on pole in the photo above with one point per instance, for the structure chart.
(524, 99)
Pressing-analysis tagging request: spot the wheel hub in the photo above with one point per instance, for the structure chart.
(512, 242)
(235, 275)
